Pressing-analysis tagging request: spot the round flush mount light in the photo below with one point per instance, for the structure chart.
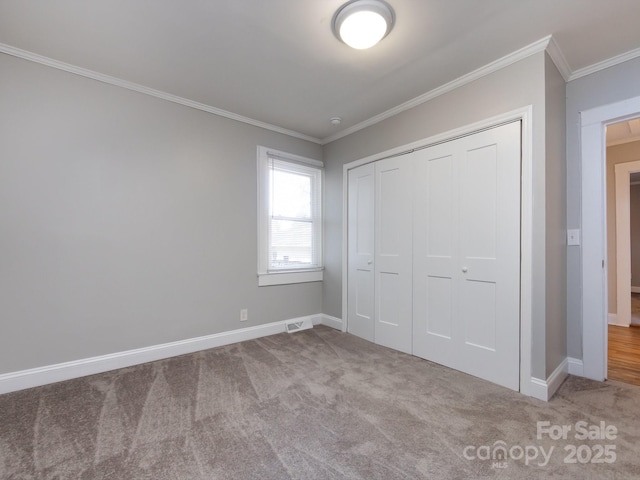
(363, 23)
(335, 120)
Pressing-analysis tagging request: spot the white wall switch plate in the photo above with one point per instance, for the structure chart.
(573, 237)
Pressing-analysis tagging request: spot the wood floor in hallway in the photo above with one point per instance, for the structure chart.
(624, 354)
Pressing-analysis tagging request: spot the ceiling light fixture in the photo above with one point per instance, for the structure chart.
(363, 23)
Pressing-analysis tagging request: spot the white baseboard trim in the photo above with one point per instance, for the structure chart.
(576, 367)
(557, 377)
(35, 377)
(545, 389)
(538, 389)
(330, 321)
(612, 319)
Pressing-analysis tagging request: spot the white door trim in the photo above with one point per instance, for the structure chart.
(525, 115)
(593, 257)
(623, 240)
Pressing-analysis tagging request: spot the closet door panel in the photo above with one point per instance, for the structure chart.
(435, 234)
(467, 254)
(478, 314)
(490, 254)
(360, 276)
(393, 258)
(438, 303)
(478, 200)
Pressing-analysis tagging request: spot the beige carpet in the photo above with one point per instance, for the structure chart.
(317, 404)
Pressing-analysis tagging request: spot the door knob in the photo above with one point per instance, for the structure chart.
(464, 269)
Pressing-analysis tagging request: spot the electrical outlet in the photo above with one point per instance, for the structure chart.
(244, 315)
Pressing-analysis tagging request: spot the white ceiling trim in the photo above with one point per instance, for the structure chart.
(536, 47)
(558, 58)
(547, 43)
(622, 141)
(84, 72)
(610, 62)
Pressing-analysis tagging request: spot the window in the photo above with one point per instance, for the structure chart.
(289, 218)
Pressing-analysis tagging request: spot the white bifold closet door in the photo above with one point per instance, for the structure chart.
(360, 300)
(393, 253)
(380, 254)
(434, 254)
(466, 234)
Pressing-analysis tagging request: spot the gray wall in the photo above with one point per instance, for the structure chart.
(127, 221)
(556, 218)
(611, 85)
(627, 152)
(518, 85)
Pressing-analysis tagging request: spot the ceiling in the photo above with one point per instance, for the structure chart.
(623, 132)
(277, 61)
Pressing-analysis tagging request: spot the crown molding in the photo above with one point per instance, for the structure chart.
(547, 44)
(610, 62)
(558, 59)
(536, 47)
(118, 82)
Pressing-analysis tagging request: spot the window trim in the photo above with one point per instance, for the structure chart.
(283, 277)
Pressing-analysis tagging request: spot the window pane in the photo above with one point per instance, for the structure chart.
(290, 208)
(291, 244)
(291, 194)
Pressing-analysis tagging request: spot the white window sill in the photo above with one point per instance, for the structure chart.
(284, 278)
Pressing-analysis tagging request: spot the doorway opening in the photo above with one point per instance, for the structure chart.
(593, 251)
(623, 250)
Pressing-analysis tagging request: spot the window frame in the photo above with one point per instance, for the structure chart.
(267, 276)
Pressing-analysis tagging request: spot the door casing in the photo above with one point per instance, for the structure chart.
(593, 258)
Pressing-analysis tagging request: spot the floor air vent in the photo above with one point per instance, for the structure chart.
(298, 325)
